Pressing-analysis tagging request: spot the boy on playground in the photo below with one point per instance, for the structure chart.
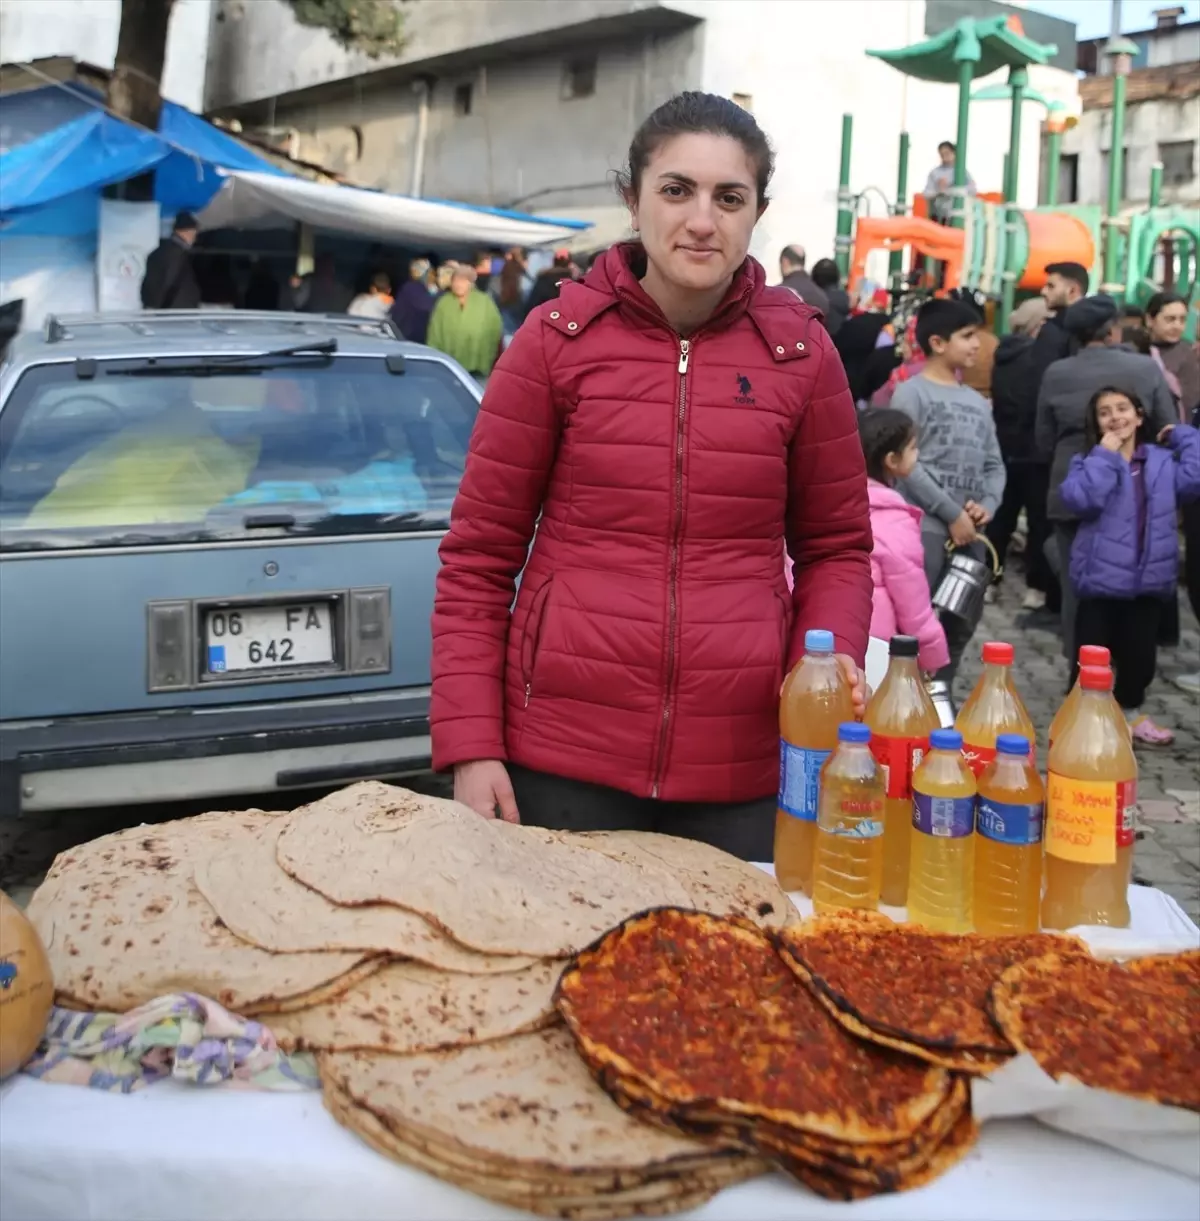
(959, 478)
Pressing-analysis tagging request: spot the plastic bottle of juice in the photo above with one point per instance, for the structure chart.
(816, 699)
(849, 859)
(1008, 841)
(1089, 655)
(940, 881)
(901, 716)
(1091, 797)
(993, 708)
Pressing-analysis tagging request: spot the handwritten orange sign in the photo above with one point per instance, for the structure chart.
(1081, 820)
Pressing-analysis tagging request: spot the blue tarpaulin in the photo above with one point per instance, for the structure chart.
(52, 183)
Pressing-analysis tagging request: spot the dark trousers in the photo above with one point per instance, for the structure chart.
(745, 829)
(1191, 560)
(1064, 539)
(1128, 627)
(1026, 485)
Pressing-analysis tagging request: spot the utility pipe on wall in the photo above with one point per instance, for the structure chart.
(423, 88)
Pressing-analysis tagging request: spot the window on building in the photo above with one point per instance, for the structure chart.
(579, 78)
(1104, 161)
(744, 100)
(463, 98)
(1178, 161)
(1068, 178)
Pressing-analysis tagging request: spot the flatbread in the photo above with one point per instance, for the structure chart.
(656, 1198)
(523, 1106)
(123, 923)
(704, 1013)
(494, 887)
(1182, 970)
(407, 1007)
(715, 881)
(910, 988)
(269, 908)
(1096, 1022)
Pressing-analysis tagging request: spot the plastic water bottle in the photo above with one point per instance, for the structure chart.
(849, 864)
(940, 880)
(1008, 841)
(816, 699)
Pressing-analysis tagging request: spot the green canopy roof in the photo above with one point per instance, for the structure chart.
(988, 42)
(1002, 92)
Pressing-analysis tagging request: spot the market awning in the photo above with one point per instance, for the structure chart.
(251, 200)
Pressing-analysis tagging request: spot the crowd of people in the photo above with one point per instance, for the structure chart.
(1084, 419)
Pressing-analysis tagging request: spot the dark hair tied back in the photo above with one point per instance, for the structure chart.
(689, 114)
(1160, 301)
(883, 431)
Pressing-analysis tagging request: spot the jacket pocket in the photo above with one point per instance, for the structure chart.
(531, 635)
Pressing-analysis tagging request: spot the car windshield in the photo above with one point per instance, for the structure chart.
(138, 454)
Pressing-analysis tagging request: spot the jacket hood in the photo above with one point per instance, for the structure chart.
(1011, 347)
(883, 499)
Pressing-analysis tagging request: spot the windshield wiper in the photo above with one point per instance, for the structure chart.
(159, 366)
(323, 347)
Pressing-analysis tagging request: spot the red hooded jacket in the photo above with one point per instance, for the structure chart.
(653, 625)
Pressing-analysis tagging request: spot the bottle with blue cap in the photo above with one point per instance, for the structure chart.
(849, 863)
(816, 699)
(942, 863)
(1008, 840)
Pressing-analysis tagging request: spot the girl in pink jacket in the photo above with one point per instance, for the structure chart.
(901, 604)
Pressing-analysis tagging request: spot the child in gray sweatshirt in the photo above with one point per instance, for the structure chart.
(959, 480)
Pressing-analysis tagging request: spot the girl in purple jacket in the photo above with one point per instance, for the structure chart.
(1125, 561)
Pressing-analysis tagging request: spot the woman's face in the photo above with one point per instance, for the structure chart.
(696, 209)
(1167, 325)
(1115, 413)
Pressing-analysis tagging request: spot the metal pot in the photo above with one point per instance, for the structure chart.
(964, 581)
(939, 693)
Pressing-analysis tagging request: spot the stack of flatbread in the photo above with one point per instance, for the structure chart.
(696, 1024)
(393, 933)
(903, 986)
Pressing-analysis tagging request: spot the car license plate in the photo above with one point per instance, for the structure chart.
(263, 638)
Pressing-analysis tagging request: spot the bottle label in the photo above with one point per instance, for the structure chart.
(1088, 820)
(800, 780)
(898, 758)
(944, 817)
(853, 819)
(978, 757)
(1010, 823)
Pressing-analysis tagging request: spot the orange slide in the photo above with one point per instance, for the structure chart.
(939, 242)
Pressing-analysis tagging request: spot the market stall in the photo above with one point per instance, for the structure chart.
(576, 1025)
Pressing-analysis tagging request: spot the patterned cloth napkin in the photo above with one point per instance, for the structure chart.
(182, 1036)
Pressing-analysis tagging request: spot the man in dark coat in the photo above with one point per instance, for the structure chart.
(791, 268)
(828, 279)
(170, 280)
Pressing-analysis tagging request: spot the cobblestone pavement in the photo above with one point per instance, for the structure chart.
(1168, 848)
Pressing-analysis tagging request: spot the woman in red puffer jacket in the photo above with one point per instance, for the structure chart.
(659, 432)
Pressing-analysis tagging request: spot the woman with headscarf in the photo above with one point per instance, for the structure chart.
(415, 301)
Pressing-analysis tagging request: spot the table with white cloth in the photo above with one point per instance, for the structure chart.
(178, 1153)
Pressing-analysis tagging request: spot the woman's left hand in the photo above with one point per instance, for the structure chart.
(1165, 433)
(858, 683)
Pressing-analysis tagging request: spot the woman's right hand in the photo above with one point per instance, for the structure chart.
(484, 786)
(1111, 442)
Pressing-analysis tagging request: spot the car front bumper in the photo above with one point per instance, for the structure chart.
(179, 754)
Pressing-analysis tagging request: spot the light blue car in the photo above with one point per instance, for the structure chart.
(218, 543)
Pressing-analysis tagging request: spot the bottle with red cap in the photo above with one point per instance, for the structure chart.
(1091, 797)
(993, 708)
(1089, 655)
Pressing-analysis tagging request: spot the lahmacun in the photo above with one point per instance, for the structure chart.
(1131, 1031)
(918, 991)
(705, 1014)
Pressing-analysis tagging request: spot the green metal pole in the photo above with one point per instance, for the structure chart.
(899, 208)
(845, 212)
(1053, 160)
(1018, 78)
(966, 71)
(1121, 50)
(1156, 176)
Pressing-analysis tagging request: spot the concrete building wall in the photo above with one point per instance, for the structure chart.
(87, 30)
(258, 49)
(1172, 46)
(1148, 126)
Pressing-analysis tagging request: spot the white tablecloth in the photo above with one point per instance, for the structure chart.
(176, 1153)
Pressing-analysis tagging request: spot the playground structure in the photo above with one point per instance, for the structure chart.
(991, 245)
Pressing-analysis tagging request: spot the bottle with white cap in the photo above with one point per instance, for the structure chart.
(816, 699)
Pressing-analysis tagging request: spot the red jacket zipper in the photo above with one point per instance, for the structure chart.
(685, 352)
